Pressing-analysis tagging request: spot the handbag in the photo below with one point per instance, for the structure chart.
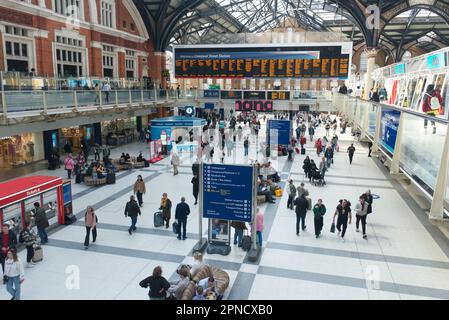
(5, 279)
(333, 227)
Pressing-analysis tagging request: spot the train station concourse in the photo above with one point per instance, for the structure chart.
(224, 150)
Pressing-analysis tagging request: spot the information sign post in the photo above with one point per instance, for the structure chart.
(202, 243)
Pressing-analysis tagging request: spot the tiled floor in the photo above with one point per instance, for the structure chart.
(403, 258)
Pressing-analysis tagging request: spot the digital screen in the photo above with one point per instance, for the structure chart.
(436, 61)
(254, 95)
(67, 193)
(313, 61)
(278, 95)
(231, 95)
(254, 105)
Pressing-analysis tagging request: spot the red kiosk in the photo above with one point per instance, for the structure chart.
(17, 198)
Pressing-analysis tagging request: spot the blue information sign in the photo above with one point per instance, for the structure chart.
(389, 126)
(211, 93)
(280, 131)
(227, 192)
(67, 193)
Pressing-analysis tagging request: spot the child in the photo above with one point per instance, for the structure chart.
(199, 294)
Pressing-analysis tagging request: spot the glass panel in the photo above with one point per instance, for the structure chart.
(60, 99)
(13, 215)
(122, 96)
(24, 50)
(417, 160)
(16, 49)
(372, 115)
(135, 95)
(50, 205)
(23, 101)
(8, 47)
(87, 98)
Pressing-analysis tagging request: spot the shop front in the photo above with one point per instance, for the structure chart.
(76, 135)
(21, 149)
(119, 132)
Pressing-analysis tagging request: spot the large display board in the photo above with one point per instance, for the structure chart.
(227, 192)
(311, 60)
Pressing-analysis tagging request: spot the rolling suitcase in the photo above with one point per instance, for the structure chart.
(69, 219)
(175, 227)
(303, 151)
(110, 178)
(38, 254)
(78, 178)
(158, 219)
(246, 243)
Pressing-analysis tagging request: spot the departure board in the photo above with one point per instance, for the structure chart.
(315, 61)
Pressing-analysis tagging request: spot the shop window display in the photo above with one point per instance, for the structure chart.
(17, 150)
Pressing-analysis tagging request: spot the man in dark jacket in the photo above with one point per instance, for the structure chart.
(182, 211)
(351, 151)
(132, 209)
(239, 227)
(40, 218)
(196, 168)
(8, 240)
(301, 205)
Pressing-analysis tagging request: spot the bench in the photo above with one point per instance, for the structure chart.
(261, 199)
(89, 181)
(139, 165)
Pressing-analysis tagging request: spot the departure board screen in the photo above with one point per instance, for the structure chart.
(315, 61)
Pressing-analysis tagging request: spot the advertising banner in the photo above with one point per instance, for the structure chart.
(227, 192)
(313, 60)
(389, 128)
(254, 105)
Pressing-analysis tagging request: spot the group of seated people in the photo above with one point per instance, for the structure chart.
(266, 187)
(97, 170)
(268, 171)
(125, 158)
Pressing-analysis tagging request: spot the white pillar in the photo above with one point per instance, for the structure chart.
(437, 208)
(394, 169)
(375, 147)
(372, 53)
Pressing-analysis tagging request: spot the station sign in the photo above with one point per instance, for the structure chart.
(279, 132)
(227, 192)
(211, 93)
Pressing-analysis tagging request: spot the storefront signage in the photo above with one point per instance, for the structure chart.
(389, 128)
(436, 61)
(399, 69)
(227, 192)
(31, 192)
(279, 132)
(254, 105)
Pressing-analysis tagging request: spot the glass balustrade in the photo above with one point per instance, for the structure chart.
(122, 97)
(136, 96)
(17, 101)
(60, 99)
(372, 117)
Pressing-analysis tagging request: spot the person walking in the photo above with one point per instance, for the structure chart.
(351, 151)
(302, 141)
(306, 166)
(97, 93)
(166, 205)
(361, 209)
(28, 238)
(157, 283)
(14, 273)
(196, 188)
(246, 146)
(319, 210)
(318, 146)
(311, 132)
(8, 240)
(370, 145)
(343, 214)
(90, 220)
(175, 162)
(369, 200)
(259, 226)
(334, 142)
(139, 189)
(239, 227)
(181, 213)
(301, 206)
(291, 194)
(132, 209)
(106, 90)
(329, 154)
(69, 165)
(41, 221)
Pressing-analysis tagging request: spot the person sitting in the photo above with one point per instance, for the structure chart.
(209, 284)
(122, 158)
(263, 190)
(199, 294)
(177, 288)
(272, 173)
(140, 157)
(81, 160)
(101, 171)
(127, 158)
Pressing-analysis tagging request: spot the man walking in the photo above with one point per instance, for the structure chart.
(106, 89)
(246, 146)
(182, 211)
(40, 218)
(370, 145)
(351, 151)
(132, 209)
(291, 194)
(175, 162)
(302, 205)
(318, 211)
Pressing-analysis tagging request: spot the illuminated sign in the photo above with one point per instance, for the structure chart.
(254, 105)
(278, 95)
(436, 61)
(399, 69)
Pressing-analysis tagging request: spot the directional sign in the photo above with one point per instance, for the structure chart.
(279, 132)
(227, 192)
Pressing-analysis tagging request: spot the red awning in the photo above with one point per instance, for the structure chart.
(22, 188)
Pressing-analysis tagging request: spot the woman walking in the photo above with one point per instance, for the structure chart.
(157, 283)
(343, 214)
(69, 165)
(196, 188)
(166, 205)
(90, 220)
(361, 209)
(14, 274)
(319, 210)
(139, 189)
(259, 226)
(28, 238)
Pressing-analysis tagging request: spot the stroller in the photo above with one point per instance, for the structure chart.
(317, 178)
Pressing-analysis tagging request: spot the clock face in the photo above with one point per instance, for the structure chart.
(189, 110)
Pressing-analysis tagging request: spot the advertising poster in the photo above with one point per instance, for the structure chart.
(389, 128)
(219, 230)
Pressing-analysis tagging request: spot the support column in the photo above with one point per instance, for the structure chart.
(375, 147)
(437, 208)
(157, 62)
(257, 84)
(372, 53)
(394, 169)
